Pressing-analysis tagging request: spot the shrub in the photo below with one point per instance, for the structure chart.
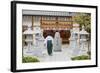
(83, 57)
(29, 59)
(89, 53)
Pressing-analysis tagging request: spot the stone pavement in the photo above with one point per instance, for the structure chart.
(64, 55)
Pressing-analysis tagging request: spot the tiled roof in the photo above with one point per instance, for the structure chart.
(49, 13)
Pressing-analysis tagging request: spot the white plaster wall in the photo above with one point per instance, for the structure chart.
(75, 29)
(27, 20)
(36, 23)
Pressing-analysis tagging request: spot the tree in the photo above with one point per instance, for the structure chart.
(84, 19)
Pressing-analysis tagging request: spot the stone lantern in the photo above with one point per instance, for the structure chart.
(29, 37)
(28, 50)
(83, 41)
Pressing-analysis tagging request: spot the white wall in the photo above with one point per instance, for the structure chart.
(27, 20)
(36, 21)
(5, 36)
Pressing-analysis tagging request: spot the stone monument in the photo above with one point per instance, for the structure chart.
(57, 42)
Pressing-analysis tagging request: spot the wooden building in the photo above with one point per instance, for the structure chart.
(50, 22)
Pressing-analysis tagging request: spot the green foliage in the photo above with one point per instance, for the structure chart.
(83, 57)
(89, 53)
(83, 19)
(29, 59)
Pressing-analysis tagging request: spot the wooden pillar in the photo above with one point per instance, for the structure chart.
(56, 23)
(33, 27)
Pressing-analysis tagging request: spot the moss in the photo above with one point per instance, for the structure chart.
(29, 59)
(83, 57)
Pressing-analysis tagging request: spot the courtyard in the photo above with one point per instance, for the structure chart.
(65, 54)
(56, 38)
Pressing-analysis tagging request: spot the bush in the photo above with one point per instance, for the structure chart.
(29, 59)
(83, 57)
(89, 53)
